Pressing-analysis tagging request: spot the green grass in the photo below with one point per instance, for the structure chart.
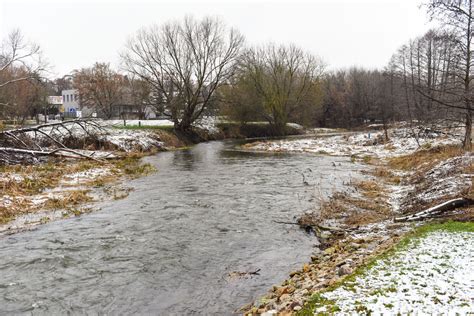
(317, 300)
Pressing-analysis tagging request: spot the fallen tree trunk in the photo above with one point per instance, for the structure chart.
(60, 152)
(436, 210)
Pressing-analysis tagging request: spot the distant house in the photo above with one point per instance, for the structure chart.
(72, 107)
(71, 104)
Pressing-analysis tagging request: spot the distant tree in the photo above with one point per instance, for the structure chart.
(20, 61)
(423, 69)
(60, 84)
(184, 63)
(334, 110)
(15, 52)
(138, 93)
(283, 80)
(240, 101)
(99, 87)
(23, 98)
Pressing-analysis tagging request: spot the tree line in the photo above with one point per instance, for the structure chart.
(194, 67)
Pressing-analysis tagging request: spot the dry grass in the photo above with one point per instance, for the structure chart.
(356, 210)
(33, 180)
(387, 175)
(370, 189)
(72, 198)
(425, 159)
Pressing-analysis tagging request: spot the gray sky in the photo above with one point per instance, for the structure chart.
(75, 34)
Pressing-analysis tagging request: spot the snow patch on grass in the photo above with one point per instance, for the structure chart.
(11, 177)
(433, 275)
(119, 123)
(84, 176)
(132, 140)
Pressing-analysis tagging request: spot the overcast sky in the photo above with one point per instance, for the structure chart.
(75, 34)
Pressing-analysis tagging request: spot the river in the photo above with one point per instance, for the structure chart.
(168, 247)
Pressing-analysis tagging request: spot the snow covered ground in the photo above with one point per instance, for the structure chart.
(357, 144)
(120, 123)
(434, 275)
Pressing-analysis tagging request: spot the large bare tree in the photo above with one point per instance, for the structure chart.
(100, 88)
(185, 63)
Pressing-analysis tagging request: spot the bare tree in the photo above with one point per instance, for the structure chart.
(16, 52)
(99, 87)
(20, 61)
(457, 16)
(185, 63)
(138, 95)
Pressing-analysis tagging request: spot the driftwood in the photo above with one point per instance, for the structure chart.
(313, 226)
(436, 210)
(238, 275)
(23, 145)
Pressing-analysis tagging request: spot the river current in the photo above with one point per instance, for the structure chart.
(168, 248)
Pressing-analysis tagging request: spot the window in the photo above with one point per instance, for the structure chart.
(67, 97)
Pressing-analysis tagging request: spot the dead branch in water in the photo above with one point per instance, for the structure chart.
(436, 210)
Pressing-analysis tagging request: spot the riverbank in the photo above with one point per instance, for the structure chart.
(40, 189)
(407, 175)
(43, 189)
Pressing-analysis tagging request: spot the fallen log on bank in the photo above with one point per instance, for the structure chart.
(436, 210)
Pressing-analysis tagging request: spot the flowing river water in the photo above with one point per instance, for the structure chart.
(167, 248)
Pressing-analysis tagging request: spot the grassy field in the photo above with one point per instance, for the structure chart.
(428, 271)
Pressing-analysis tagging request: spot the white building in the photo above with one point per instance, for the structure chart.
(71, 102)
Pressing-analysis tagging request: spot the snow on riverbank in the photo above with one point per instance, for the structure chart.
(132, 140)
(434, 275)
(358, 144)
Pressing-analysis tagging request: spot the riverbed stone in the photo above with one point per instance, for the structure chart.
(344, 270)
(297, 308)
(290, 289)
(285, 297)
